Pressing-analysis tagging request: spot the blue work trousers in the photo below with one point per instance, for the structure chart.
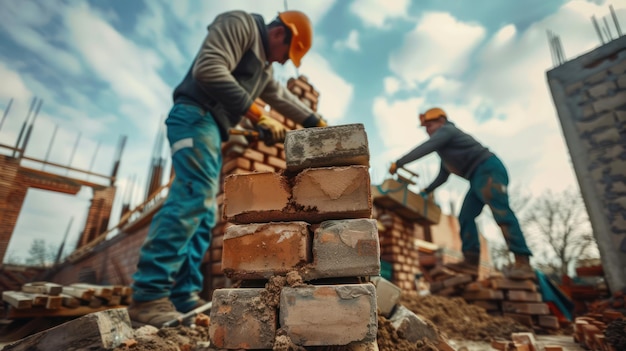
(180, 233)
(488, 186)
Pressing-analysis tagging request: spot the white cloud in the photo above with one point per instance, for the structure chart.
(376, 12)
(337, 92)
(391, 84)
(12, 84)
(351, 42)
(439, 45)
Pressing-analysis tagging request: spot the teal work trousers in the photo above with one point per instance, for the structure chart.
(181, 231)
(488, 186)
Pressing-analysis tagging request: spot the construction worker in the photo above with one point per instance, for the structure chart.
(232, 68)
(462, 155)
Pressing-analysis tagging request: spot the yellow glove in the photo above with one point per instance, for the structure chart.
(322, 123)
(275, 128)
(393, 168)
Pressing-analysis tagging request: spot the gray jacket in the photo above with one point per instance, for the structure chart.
(460, 153)
(231, 70)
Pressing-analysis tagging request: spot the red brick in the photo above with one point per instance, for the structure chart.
(276, 162)
(552, 348)
(254, 155)
(251, 197)
(329, 314)
(513, 284)
(262, 167)
(333, 193)
(550, 322)
(268, 150)
(484, 294)
(526, 296)
(526, 307)
(525, 339)
(238, 162)
(238, 323)
(258, 251)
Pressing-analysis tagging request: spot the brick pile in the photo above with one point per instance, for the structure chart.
(590, 330)
(306, 236)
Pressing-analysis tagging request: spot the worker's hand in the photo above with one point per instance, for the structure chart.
(393, 168)
(276, 129)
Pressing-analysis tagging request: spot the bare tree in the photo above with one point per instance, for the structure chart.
(558, 230)
(39, 254)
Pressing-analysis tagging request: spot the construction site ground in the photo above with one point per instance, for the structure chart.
(467, 328)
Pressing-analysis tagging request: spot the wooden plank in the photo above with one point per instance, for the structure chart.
(43, 288)
(17, 300)
(54, 302)
(79, 293)
(104, 292)
(95, 331)
(14, 313)
(70, 301)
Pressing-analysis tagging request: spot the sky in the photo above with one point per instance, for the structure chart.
(107, 69)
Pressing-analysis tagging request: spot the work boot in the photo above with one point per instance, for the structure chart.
(469, 265)
(187, 303)
(155, 312)
(521, 269)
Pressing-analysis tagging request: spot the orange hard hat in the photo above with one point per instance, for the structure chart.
(431, 114)
(301, 34)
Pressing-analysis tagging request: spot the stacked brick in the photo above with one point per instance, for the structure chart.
(306, 236)
(594, 331)
(242, 156)
(301, 88)
(520, 300)
(398, 238)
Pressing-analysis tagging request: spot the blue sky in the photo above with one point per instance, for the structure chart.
(107, 68)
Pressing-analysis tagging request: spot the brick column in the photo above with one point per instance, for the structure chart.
(12, 196)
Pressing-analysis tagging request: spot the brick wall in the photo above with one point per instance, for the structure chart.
(590, 97)
(99, 213)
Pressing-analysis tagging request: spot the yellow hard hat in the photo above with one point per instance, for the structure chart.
(431, 114)
(301, 34)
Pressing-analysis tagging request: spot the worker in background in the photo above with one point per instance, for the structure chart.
(462, 155)
(232, 68)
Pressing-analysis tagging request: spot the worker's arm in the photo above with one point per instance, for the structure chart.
(230, 36)
(441, 178)
(287, 104)
(436, 141)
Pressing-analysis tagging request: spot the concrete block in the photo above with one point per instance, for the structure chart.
(258, 251)
(411, 326)
(345, 248)
(324, 147)
(329, 314)
(250, 198)
(239, 320)
(387, 295)
(333, 193)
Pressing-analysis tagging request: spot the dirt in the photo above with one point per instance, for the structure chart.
(453, 318)
(457, 319)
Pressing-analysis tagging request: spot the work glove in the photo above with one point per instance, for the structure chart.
(393, 168)
(276, 130)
